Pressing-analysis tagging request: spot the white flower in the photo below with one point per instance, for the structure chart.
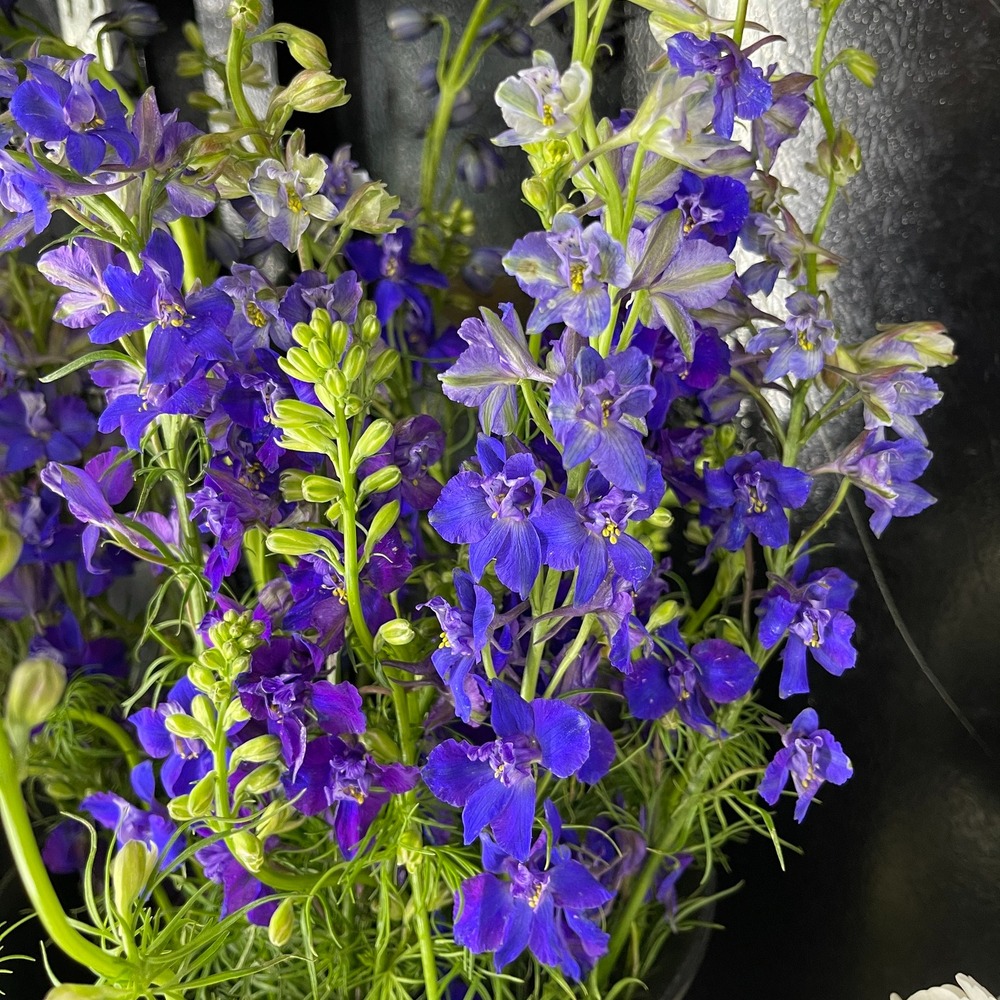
(967, 989)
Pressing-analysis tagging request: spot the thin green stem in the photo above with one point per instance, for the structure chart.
(537, 414)
(596, 27)
(237, 95)
(822, 522)
(741, 21)
(111, 729)
(569, 657)
(543, 600)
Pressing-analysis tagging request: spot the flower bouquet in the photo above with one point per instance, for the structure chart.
(359, 642)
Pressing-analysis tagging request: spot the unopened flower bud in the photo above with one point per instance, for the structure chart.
(187, 728)
(861, 64)
(369, 210)
(371, 330)
(179, 809)
(234, 715)
(292, 542)
(11, 545)
(245, 14)
(407, 24)
(259, 750)
(380, 481)
(320, 489)
(201, 798)
(320, 353)
(384, 365)
(282, 924)
(306, 48)
(248, 850)
(201, 677)
(354, 362)
(202, 710)
(131, 868)
(35, 688)
(311, 91)
(396, 632)
(660, 518)
(371, 442)
(337, 337)
(259, 781)
(662, 615)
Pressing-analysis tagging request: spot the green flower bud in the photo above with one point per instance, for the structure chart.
(306, 439)
(338, 336)
(369, 210)
(245, 14)
(380, 481)
(354, 362)
(202, 796)
(259, 781)
(281, 924)
(234, 715)
(329, 400)
(381, 744)
(298, 364)
(662, 615)
(203, 711)
(371, 442)
(248, 850)
(304, 333)
(353, 405)
(409, 850)
(320, 353)
(536, 193)
(187, 728)
(396, 632)
(860, 63)
(660, 518)
(292, 542)
(179, 809)
(291, 484)
(336, 383)
(201, 677)
(311, 91)
(277, 817)
(11, 545)
(304, 47)
(385, 517)
(259, 750)
(293, 413)
(35, 688)
(131, 868)
(384, 365)
(320, 489)
(840, 160)
(321, 322)
(371, 329)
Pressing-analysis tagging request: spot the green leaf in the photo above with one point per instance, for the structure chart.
(83, 362)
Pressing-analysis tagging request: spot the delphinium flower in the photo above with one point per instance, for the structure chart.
(25, 202)
(79, 267)
(64, 642)
(751, 493)
(740, 87)
(239, 887)
(508, 34)
(713, 208)
(800, 346)
(814, 615)
(256, 303)
(540, 902)
(388, 268)
(488, 372)
(479, 165)
(467, 628)
(494, 511)
(494, 783)
(666, 890)
(417, 443)
(884, 471)
(810, 756)
(62, 105)
(567, 270)
(589, 534)
(892, 397)
(342, 781)
(185, 327)
(33, 429)
(343, 177)
(597, 409)
(540, 103)
(782, 120)
(688, 681)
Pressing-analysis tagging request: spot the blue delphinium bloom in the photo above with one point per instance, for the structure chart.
(713, 208)
(688, 681)
(596, 408)
(674, 867)
(494, 512)
(466, 630)
(342, 781)
(488, 372)
(32, 429)
(810, 756)
(239, 887)
(185, 327)
(68, 107)
(495, 783)
(24, 200)
(568, 270)
(79, 268)
(589, 534)
(313, 290)
(539, 903)
(884, 471)
(814, 614)
(893, 397)
(752, 493)
(152, 826)
(256, 304)
(740, 87)
(540, 103)
(417, 443)
(801, 344)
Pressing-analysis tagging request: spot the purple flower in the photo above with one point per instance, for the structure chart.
(885, 471)
(494, 512)
(394, 275)
(666, 891)
(417, 443)
(894, 396)
(152, 826)
(539, 903)
(479, 164)
(811, 756)
(596, 408)
(752, 493)
(488, 372)
(688, 681)
(740, 87)
(466, 630)
(815, 617)
(799, 346)
(782, 120)
(540, 104)
(79, 267)
(343, 782)
(23, 195)
(239, 887)
(68, 107)
(32, 430)
(185, 328)
(590, 533)
(713, 208)
(313, 290)
(290, 198)
(568, 270)
(256, 312)
(495, 783)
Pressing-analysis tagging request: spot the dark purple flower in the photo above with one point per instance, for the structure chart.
(32, 430)
(494, 512)
(539, 903)
(466, 630)
(256, 313)
(689, 681)
(800, 346)
(25, 202)
(568, 270)
(782, 120)
(590, 535)
(597, 409)
(713, 208)
(64, 643)
(342, 781)
(674, 867)
(814, 614)
(740, 87)
(68, 107)
(752, 493)
(185, 327)
(810, 756)
(417, 443)
(488, 372)
(885, 471)
(313, 290)
(67, 848)
(495, 783)
(239, 887)
(394, 275)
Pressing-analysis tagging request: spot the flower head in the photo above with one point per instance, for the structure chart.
(801, 344)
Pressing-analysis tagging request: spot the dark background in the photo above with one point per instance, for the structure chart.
(898, 885)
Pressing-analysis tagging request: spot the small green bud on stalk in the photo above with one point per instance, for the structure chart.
(298, 364)
(396, 632)
(291, 484)
(662, 615)
(320, 489)
(247, 849)
(336, 383)
(304, 333)
(381, 744)
(840, 160)
(281, 924)
(11, 545)
(371, 442)
(35, 688)
(277, 818)
(661, 518)
(234, 715)
(384, 365)
(863, 65)
(320, 353)
(369, 210)
(245, 14)
(185, 727)
(179, 809)
(371, 329)
(382, 522)
(293, 542)
(354, 362)
(201, 677)
(202, 710)
(258, 782)
(202, 796)
(312, 91)
(380, 481)
(259, 750)
(409, 854)
(131, 869)
(337, 336)
(304, 47)
(321, 322)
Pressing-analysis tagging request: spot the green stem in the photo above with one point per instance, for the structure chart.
(631, 321)
(538, 415)
(541, 604)
(741, 21)
(572, 652)
(237, 95)
(111, 729)
(35, 878)
(596, 27)
(812, 261)
(824, 520)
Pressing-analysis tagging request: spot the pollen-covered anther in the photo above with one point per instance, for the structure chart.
(256, 315)
(611, 532)
(294, 202)
(757, 505)
(605, 412)
(445, 642)
(548, 116)
(804, 342)
(536, 895)
(340, 593)
(576, 275)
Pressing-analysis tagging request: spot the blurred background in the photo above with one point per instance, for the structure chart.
(897, 885)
